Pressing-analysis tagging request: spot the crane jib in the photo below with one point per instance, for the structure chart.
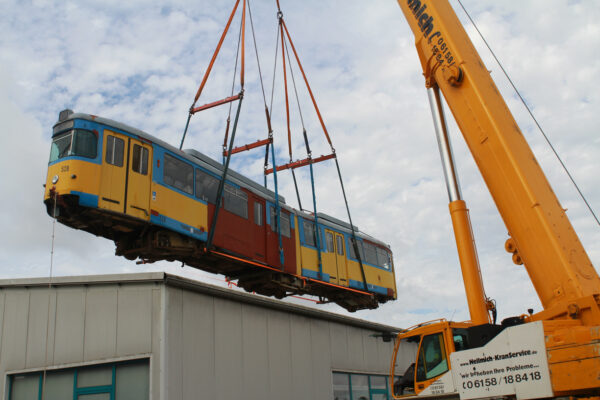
(436, 40)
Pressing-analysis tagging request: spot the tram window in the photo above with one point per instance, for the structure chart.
(258, 213)
(85, 143)
(140, 159)
(309, 233)
(178, 174)
(360, 250)
(285, 223)
(383, 258)
(236, 201)
(207, 187)
(432, 357)
(370, 253)
(329, 239)
(340, 245)
(74, 143)
(114, 150)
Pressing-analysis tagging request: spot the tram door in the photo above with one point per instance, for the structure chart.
(114, 171)
(259, 231)
(340, 253)
(139, 174)
(335, 258)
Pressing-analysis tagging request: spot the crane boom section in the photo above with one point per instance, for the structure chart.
(545, 241)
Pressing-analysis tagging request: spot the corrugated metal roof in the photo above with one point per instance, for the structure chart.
(196, 286)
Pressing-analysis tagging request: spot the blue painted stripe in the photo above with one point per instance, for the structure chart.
(309, 273)
(180, 227)
(372, 288)
(86, 199)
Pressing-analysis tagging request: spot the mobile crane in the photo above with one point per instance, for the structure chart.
(555, 352)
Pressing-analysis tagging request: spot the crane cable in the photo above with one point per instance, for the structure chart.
(352, 228)
(531, 114)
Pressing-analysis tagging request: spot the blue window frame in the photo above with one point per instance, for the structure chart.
(347, 386)
(115, 381)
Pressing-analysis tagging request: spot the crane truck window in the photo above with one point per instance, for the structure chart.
(74, 143)
(432, 357)
(178, 174)
(115, 148)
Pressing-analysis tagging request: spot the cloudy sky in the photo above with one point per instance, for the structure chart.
(140, 62)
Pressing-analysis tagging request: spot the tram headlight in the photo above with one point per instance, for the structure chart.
(54, 179)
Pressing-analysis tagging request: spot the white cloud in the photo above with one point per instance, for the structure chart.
(140, 63)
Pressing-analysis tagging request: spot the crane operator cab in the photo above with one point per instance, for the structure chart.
(430, 374)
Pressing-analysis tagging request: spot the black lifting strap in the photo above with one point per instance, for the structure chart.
(213, 225)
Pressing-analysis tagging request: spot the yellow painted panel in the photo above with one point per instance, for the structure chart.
(174, 205)
(87, 177)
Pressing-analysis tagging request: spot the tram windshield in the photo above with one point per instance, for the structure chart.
(76, 142)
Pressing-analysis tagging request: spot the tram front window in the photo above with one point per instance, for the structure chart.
(74, 143)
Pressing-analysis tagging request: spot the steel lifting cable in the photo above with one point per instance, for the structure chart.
(318, 242)
(532, 116)
(237, 54)
(207, 73)
(353, 233)
(271, 108)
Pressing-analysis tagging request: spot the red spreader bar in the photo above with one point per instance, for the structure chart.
(300, 163)
(215, 103)
(247, 147)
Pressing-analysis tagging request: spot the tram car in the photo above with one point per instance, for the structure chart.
(157, 203)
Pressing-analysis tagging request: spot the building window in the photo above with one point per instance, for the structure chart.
(115, 148)
(140, 160)
(118, 381)
(348, 386)
(179, 174)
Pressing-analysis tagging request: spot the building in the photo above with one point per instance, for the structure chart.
(161, 336)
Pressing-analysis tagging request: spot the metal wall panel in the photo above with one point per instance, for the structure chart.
(198, 339)
(100, 323)
(228, 348)
(134, 320)
(301, 358)
(338, 341)
(356, 350)
(175, 345)
(14, 328)
(255, 346)
(70, 317)
(322, 360)
(280, 357)
(37, 324)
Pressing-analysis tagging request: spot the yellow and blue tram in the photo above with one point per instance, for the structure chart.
(157, 203)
